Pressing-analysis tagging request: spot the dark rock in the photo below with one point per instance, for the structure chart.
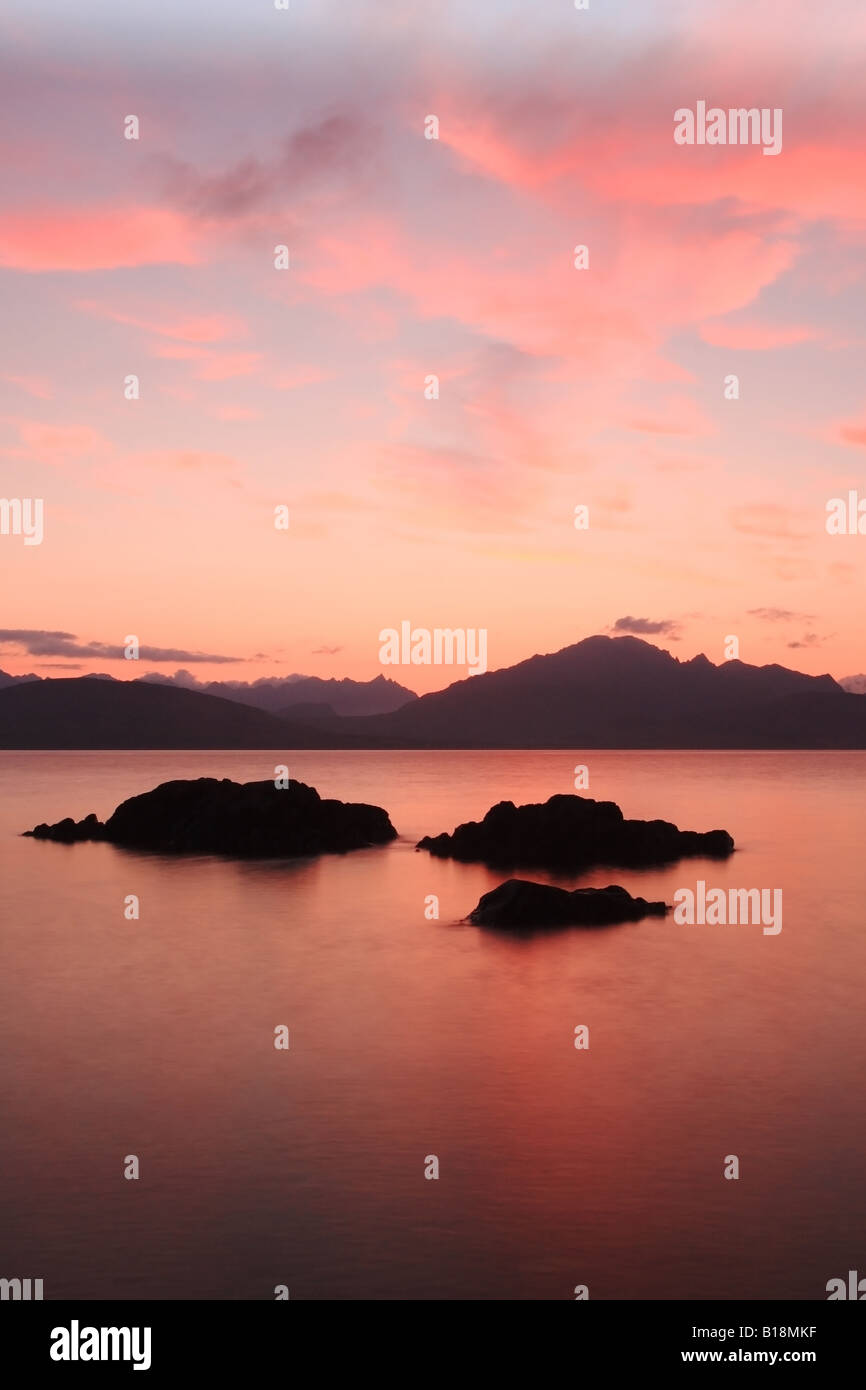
(69, 831)
(248, 820)
(572, 832)
(519, 903)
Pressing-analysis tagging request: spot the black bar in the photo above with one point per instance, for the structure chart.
(309, 1341)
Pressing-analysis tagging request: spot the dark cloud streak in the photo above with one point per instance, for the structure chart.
(41, 643)
(646, 627)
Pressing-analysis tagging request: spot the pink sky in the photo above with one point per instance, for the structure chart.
(411, 257)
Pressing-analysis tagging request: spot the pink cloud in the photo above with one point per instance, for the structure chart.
(678, 415)
(95, 238)
(236, 413)
(636, 162)
(645, 278)
(301, 376)
(179, 351)
(33, 385)
(60, 442)
(853, 434)
(215, 366)
(185, 460)
(222, 366)
(754, 337)
(201, 328)
(771, 519)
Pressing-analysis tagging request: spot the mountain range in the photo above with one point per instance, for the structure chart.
(282, 694)
(89, 712)
(278, 694)
(603, 692)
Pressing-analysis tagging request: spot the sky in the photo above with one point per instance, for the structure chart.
(409, 258)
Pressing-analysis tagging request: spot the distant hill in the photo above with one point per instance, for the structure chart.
(312, 713)
(347, 697)
(281, 694)
(621, 692)
(855, 685)
(7, 680)
(87, 712)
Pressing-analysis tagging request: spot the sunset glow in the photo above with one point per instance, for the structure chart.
(409, 258)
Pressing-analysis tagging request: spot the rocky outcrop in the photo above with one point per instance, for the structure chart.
(69, 831)
(519, 903)
(573, 832)
(246, 820)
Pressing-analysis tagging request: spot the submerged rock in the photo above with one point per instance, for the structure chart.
(247, 820)
(520, 903)
(572, 832)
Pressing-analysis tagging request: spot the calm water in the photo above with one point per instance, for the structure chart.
(412, 1037)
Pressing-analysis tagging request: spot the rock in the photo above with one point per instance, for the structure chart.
(246, 820)
(572, 832)
(69, 831)
(519, 903)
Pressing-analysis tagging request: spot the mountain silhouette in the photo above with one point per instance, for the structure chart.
(7, 680)
(622, 692)
(347, 697)
(603, 692)
(281, 694)
(87, 712)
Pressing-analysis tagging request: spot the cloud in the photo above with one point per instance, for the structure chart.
(27, 634)
(190, 682)
(194, 328)
(40, 643)
(215, 366)
(678, 415)
(769, 519)
(94, 238)
(236, 413)
(780, 615)
(222, 366)
(853, 434)
(57, 443)
(810, 639)
(754, 337)
(326, 651)
(185, 460)
(301, 376)
(334, 146)
(646, 626)
(33, 385)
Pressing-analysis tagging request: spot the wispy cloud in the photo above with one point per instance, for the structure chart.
(646, 627)
(168, 322)
(42, 643)
(780, 615)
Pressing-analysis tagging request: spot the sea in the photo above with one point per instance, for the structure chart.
(414, 1036)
